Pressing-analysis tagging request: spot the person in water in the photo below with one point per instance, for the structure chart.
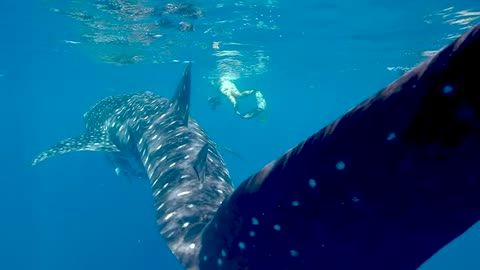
(230, 90)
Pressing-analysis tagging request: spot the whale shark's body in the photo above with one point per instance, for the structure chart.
(155, 138)
(383, 187)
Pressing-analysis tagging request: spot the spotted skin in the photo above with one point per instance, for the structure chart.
(155, 138)
(97, 139)
(188, 176)
(385, 186)
(92, 141)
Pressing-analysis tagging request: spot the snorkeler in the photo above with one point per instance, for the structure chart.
(230, 90)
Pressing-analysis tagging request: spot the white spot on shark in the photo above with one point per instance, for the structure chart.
(167, 217)
(447, 89)
(183, 193)
(160, 206)
(181, 146)
(293, 253)
(391, 136)
(340, 165)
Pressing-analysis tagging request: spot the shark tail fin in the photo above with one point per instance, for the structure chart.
(94, 141)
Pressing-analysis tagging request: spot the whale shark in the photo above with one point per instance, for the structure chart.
(385, 186)
(155, 138)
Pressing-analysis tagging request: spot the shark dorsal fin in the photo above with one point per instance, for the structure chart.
(92, 141)
(181, 99)
(200, 164)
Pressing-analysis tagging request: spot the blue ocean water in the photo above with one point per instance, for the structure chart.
(74, 212)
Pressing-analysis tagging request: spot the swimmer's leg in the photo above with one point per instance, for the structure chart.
(232, 99)
(244, 93)
(229, 89)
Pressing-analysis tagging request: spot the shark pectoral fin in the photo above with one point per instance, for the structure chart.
(126, 174)
(89, 142)
(200, 164)
(386, 186)
(181, 99)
